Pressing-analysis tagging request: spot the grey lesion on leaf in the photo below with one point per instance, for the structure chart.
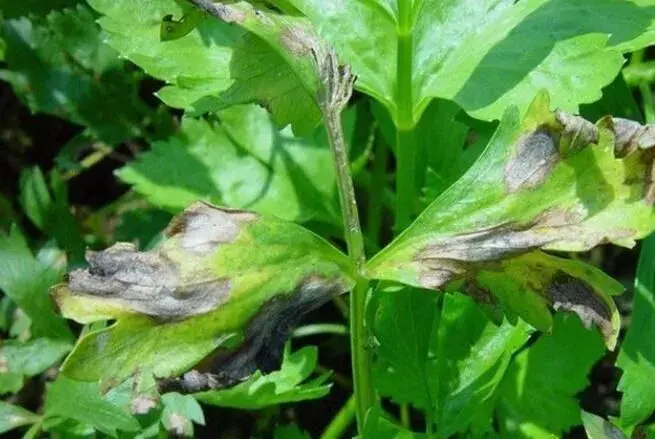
(202, 228)
(153, 282)
(535, 155)
(634, 138)
(539, 151)
(574, 295)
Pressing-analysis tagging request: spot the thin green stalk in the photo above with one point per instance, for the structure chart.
(636, 61)
(405, 420)
(320, 329)
(337, 91)
(647, 97)
(341, 421)
(362, 362)
(406, 151)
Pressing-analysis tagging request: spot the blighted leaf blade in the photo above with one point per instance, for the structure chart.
(225, 283)
(552, 181)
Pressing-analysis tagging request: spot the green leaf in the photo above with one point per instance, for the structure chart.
(553, 181)
(38, 8)
(12, 416)
(243, 161)
(62, 67)
(82, 402)
(50, 211)
(26, 281)
(290, 431)
(33, 357)
(289, 384)
(225, 279)
(598, 428)
(537, 397)
(444, 359)
(378, 426)
(637, 356)
(216, 66)
(484, 55)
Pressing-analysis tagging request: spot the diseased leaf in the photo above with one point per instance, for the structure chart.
(61, 67)
(537, 397)
(179, 412)
(637, 355)
(445, 359)
(12, 416)
(244, 162)
(82, 402)
(218, 65)
(598, 428)
(224, 280)
(26, 281)
(553, 181)
(290, 384)
(483, 55)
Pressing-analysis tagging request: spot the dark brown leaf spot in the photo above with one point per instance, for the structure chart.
(574, 295)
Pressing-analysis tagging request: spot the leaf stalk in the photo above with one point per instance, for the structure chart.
(337, 84)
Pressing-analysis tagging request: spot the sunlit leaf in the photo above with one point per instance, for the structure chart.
(553, 181)
(223, 279)
(483, 55)
(241, 161)
(218, 64)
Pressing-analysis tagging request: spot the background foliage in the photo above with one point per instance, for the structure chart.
(107, 132)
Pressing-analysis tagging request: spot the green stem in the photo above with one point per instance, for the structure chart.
(338, 87)
(341, 421)
(405, 140)
(362, 362)
(405, 420)
(649, 106)
(319, 329)
(636, 61)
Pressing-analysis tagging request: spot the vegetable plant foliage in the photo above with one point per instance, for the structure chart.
(493, 150)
